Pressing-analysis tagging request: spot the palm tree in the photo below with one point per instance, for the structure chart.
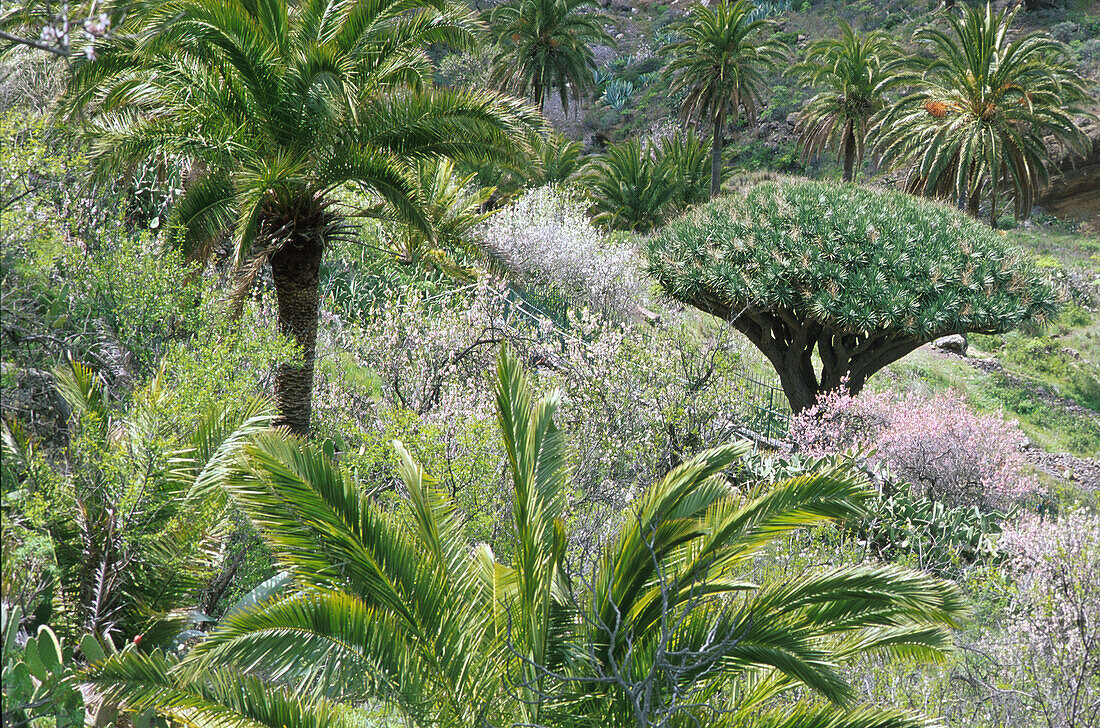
(132, 522)
(721, 64)
(273, 107)
(394, 606)
(974, 128)
(632, 188)
(856, 71)
(547, 44)
(453, 202)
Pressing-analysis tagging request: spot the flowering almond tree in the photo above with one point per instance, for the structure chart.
(855, 277)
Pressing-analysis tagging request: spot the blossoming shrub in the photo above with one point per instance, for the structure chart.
(938, 444)
(546, 239)
(1053, 654)
(636, 399)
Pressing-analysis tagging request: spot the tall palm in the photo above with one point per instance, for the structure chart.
(271, 108)
(396, 607)
(721, 63)
(856, 69)
(547, 45)
(974, 128)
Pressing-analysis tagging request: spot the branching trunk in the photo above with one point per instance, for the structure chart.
(296, 269)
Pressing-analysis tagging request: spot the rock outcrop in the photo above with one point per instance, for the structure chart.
(1074, 188)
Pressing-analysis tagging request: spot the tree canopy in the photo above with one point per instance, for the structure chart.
(858, 277)
(983, 104)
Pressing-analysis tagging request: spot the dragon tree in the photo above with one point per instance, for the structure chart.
(832, 283)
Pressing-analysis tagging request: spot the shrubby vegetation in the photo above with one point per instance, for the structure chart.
(859, 278)
(534, 488)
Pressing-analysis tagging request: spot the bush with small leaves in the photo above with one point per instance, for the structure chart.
(546, 239)
(1052, 656)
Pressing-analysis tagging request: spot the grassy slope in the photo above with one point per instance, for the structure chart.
(1051, 378)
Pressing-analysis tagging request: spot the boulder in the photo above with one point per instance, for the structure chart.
(955, 343)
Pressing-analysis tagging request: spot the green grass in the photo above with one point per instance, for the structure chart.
(1050, 428)
(1059, 246)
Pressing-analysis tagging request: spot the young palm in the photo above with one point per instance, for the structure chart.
(453, 202)
(721, 64)
(974, 128)
(271, 108)
(632, 188)
(132, 524)
(397, 608)
(856, 70)
(547, 45)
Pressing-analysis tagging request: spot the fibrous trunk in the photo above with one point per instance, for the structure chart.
(849, 152)
(716, 155)
(296, 268)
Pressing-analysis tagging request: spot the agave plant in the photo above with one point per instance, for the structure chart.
(395, 608)
(974, 128)
(617, 92)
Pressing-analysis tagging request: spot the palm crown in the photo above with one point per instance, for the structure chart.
(975, 125)
(546, 44)
(396, 606)
(272, 107)
(721, 63)
(856, 69)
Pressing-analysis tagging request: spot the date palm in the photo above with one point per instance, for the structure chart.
(547, 45)
(721, 63)
(273, 107)
(974, 127)
(394, 607)
(856, 71)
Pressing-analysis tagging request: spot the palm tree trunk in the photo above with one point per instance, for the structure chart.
(296, 269)
(849, 151)
(716, 154)
(974, 202)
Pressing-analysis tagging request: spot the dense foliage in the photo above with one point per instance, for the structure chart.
(290, 110)
(861, 278)
(597, 543)
(665, 618)
(974, 128)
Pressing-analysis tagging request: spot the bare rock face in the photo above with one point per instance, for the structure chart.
(1074, 188)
